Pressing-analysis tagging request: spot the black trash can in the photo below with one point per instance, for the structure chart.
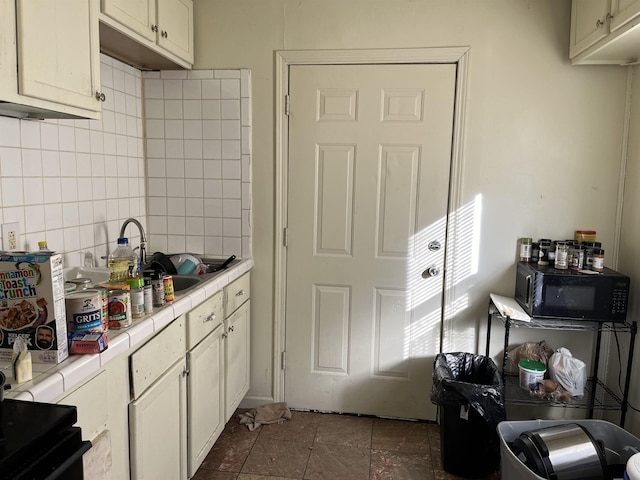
(469, 392)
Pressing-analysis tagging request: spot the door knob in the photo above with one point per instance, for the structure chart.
(434, 246)
(431, 271)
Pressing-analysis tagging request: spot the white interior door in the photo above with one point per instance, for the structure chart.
(368, 169)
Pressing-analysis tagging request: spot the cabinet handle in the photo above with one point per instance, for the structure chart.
(599, 23)
(154, 28)
(164, 34)
(239, 293)
(100, 96)
(210, 318)
(231, 328)
(609, 16)
(225, 335)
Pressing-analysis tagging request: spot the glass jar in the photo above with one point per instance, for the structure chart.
(535, 252)
(562, 256)
(590, 247)
(598, 260)
(545, 246)
(525, 249)
(577, 258)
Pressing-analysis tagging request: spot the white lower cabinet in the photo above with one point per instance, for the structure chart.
(157, 421)
(158, 413)
(205, 384)
(101, 404)
(237, 358)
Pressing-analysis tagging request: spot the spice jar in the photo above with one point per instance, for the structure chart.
(525, 249)
(535, 252)
(562, 256)
(598, 260)
(545, 246)
(577, 258)
(590, 247)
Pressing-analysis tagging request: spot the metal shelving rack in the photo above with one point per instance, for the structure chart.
(597, 395)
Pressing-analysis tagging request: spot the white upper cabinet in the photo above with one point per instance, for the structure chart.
(588, 24)
(623, 11)
(148, 33)
(138, 15)
(175, 27)
(49, 59)
(605, 32)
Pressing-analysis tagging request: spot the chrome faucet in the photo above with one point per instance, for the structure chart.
(143, 238)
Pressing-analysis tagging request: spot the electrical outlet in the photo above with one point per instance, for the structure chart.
(10, 236)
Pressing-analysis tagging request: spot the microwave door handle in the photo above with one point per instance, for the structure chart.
(529, 294)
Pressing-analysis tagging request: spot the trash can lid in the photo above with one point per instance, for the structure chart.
(534, 365)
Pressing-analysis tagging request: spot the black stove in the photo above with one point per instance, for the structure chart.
(39, 441)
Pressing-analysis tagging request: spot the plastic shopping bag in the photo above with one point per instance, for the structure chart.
(568, 371)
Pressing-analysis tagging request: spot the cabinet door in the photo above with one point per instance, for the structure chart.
(205, 397)
(138, 15)
(623, 11)
(237, 358)
(175, 32)
(157, 428)
(58, 51)
(588, 24)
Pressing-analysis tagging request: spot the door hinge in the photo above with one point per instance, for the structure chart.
(187, 365)
(287, 105)
(285, 237)
(283, 360)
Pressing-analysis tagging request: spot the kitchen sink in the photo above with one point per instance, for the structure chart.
(185, 282)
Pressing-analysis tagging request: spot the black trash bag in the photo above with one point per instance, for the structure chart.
(470, 395)
(461, 378)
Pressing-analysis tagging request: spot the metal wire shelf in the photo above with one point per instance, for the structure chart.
(564, 323)
(605, 399)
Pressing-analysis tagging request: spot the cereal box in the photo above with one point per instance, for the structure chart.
(32, 305)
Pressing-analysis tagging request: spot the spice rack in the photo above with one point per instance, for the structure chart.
(597, 395)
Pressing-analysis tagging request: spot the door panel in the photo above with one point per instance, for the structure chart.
(369, 160)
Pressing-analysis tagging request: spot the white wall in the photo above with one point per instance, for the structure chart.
(542, 142)
(629, 258)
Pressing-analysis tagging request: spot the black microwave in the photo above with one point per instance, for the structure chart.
(546, 292)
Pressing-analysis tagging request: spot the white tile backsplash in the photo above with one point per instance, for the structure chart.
(73, 182)
(198, 137)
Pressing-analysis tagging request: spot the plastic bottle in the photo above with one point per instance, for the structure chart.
(122, 261)
(43, 248)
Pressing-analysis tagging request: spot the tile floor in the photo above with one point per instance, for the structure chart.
(317, 446)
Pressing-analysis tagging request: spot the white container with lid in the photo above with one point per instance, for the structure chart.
(531, 372)
(633, 468)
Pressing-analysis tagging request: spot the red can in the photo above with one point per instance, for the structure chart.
(119, 309)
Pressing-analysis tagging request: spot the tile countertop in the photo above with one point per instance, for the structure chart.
(51, 381)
